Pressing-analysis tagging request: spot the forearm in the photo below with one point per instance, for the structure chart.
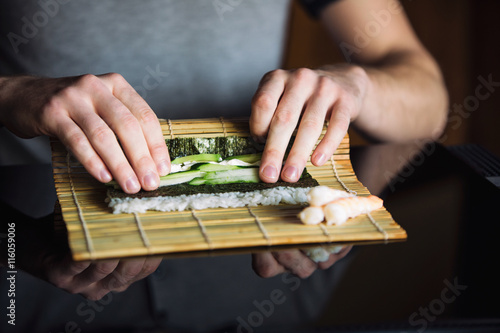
(405, 99)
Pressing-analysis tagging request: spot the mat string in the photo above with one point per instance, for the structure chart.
(379, 228)
(144, 237)
(203, 230)
(88, 239)
(325, 231)
(170, 129)
(260, 225)
(223, 126)
(338, 178)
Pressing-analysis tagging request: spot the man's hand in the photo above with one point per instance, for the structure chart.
(308, 98)
(269, 264)
(95, 279)
(102, 120)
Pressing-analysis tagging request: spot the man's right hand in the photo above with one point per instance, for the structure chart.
(101, 119)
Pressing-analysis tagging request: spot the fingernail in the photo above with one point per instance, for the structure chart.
(105, 176)
(163, 168)
(132, 185)
(270, 172)
(291, 173)
(320, 159)
(150, 180)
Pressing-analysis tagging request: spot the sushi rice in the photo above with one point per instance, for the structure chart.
(267, 197)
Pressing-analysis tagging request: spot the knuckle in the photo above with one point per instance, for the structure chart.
(283, 117)
(312, 125)
(147, 116)
(325, 87)
(129, 123)
(304, 74)
(54, 106)
(131, 271)
(88, 80)
(77, 141)
(263, 101)
(101, 133)
(158, 149)
(91, 163)
(70, 93)
(277, 73)
(273, 153)
(115, 77)
(104, 269)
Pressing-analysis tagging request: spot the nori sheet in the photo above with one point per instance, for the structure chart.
(174, 190)
(224, 146)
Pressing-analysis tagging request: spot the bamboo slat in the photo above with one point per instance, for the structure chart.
(94, 232)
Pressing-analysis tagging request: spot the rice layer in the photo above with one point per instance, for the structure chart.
(268, 197)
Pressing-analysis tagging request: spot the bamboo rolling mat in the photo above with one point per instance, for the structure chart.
(94, 232)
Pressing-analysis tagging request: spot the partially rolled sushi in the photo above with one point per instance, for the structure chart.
(212, 173)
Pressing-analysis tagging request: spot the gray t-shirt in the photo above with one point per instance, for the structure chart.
(188, 59)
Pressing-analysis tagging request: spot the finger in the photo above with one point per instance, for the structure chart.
(265, 265)
(309, 130)
(265, 101)
(296, 262)
(105, 143)
(284, 121)
(337, 129)
(149, 267)
(72, 136)
(123, 275)
(62, 273)
(97, 271)
(129, 132)
(94, 273)
(147, 119)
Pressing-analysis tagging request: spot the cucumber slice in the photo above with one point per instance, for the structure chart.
(249, 158)
(240, 175)
(180, 177)
(197, 181)
(199, 158)
(171, 178)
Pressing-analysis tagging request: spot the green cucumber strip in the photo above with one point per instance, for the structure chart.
(216, 167)
(180, 177)
(248, 158)
(242, 175)
(170, 179)
(197, 181)
(199, 158)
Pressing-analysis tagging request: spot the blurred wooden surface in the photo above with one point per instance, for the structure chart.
(463, 37)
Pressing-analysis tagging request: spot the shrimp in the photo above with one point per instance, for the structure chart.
(312, 215)
(339, 211)
(321, 195)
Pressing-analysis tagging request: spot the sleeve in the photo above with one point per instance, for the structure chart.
(314, 7)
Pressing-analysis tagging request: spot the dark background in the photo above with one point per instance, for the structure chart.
(463, 36)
